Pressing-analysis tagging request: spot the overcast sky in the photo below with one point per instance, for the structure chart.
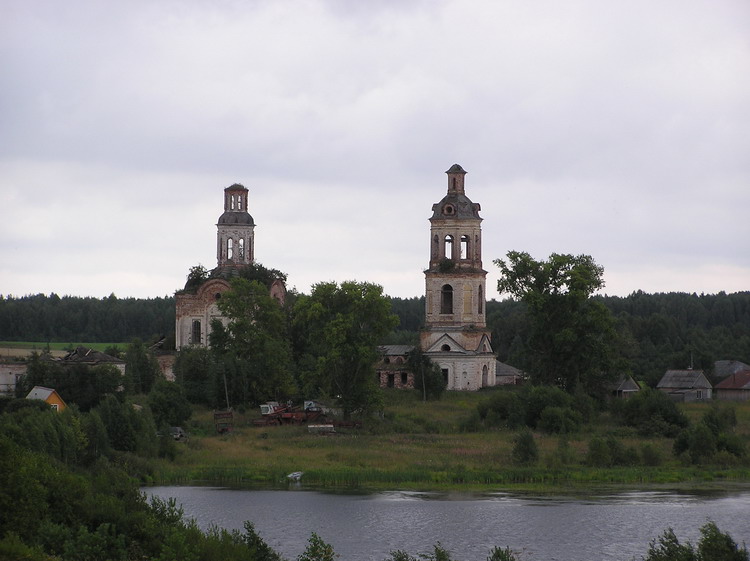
(618, 129)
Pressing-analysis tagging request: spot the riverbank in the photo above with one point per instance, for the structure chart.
(419, 446)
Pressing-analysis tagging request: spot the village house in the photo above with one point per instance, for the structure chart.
(10, 373)
(49, 396)
(625, 387)
(735, 387)
(685, 385)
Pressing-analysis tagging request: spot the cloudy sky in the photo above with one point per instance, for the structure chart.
(618, 129)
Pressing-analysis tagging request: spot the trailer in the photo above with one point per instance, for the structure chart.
(224, 421)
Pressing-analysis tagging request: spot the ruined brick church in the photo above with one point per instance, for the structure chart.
(197, 306)
(455, 334)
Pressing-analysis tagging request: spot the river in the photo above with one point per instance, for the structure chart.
(616, 527)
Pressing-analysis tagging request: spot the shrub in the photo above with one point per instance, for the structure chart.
(652, 412)
(561, 420)
(650, 455)
(598, 454)
(525, 451)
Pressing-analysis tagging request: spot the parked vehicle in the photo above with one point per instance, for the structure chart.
(178, 433)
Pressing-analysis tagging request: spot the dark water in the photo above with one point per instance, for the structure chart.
(368, 527)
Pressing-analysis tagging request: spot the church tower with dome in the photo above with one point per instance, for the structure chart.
(455, 334)
(234, 236)
(196, 306)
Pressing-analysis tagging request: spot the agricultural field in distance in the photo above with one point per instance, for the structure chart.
(23, 349)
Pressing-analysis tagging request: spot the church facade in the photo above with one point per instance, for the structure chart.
(455, 334)
(197, 306)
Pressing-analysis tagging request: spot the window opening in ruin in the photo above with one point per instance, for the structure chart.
(445, 348)
(231, 202)
(241, 248)
(448, 254)
(404, 379)
(464, 247)
(446, 299)
(387, 360)
(239, 203)
(445, 375)
(230, 249)
(453, 180)
(195, 336)
(480, 300)
(399, 360)
(391, 380)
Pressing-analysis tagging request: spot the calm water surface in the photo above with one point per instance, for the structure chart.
(367, 527)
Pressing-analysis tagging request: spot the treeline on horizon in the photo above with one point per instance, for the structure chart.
(655, 331)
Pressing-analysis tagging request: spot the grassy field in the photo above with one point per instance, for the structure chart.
(419, 446)
(22, 349)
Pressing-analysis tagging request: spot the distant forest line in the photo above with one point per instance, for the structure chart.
(655, 331)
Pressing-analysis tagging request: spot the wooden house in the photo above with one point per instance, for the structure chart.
(735, 387)
(49, 396)
(685, 385)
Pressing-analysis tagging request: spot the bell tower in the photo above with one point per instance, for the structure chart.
(235, 243)
(455, 335)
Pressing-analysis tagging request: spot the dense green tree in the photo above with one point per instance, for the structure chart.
(192, 369)
(78, 384)
(337, 330)
(257, 341)
(525, 451)
(652, 413)
(428, 377)
(168, 404)
(571, 334)
(141, 368)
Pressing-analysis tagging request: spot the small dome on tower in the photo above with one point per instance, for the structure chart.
(234, 217)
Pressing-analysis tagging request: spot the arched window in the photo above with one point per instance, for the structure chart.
(230, 248)
(446, 299)
(464, 247)
(480, 300)
(231, 202)
(241, 248)
(435, 246)
(448, 253)
(195, 335)
(239, 202)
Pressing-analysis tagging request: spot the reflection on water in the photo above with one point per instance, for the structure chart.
(616, 527)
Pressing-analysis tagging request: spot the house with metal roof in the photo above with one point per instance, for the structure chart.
(735, 387)
(49, 396)
(685, 385)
